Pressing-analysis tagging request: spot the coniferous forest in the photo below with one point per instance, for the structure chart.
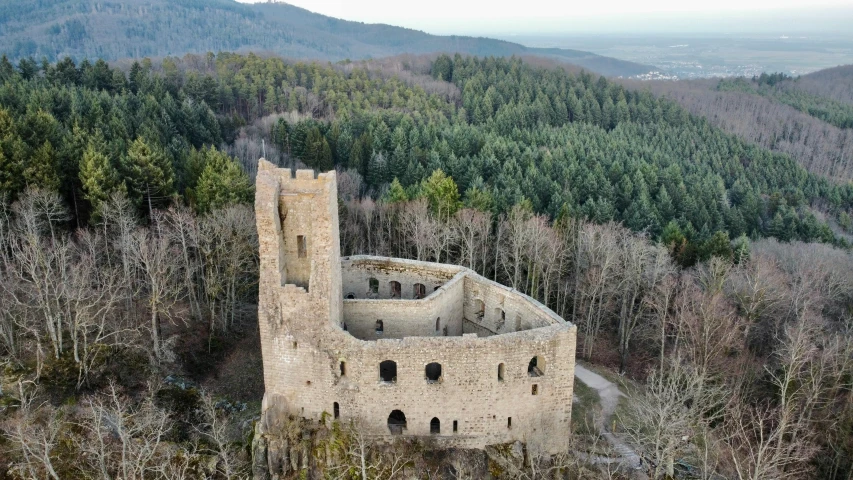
(711, 272)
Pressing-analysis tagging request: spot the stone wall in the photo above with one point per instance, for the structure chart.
(439, 314)
(359, 270)
(311, 363)
(504, 310)
(469, 391)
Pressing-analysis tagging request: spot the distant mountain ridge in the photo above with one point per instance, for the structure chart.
(115, 29)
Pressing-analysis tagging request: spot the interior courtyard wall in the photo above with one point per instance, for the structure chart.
(408, 318)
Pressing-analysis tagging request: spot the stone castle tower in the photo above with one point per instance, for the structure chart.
(404, 347)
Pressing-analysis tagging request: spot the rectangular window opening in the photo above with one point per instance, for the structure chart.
(300, 246)
(535, 389)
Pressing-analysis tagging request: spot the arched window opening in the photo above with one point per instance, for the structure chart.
(388, 371)
(433, 372)
(500, 317)
(481, 308)
(374, 286)
(435, 426)
(396, 289)
(337, 410)
(438, 324)
(397, 422)
(350, 296)
(343, 368)
(419, 291)
(536, 367)
(501, 368)
(380, 327)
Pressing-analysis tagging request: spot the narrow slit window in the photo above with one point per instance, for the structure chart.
(501, 370)
(455, 426)
(534, 390)
(337, 410)
(343, 369)
(438, 324)
(508, 422)
(301, 248)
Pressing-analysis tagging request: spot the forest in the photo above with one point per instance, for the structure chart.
(808, 117)
(713, 274)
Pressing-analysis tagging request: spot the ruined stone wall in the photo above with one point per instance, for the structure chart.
(469, 392)
(358, 270)
(298, 298)
(504, 309)
(311, 363)
(439, 314)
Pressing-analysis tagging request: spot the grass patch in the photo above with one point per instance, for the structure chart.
(585, 410)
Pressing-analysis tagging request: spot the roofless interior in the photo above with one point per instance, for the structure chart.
(393, 298)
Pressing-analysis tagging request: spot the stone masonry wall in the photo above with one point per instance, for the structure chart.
(504, 309)
(427, 317)
(358, 270)
(469, 392)
(311, 363)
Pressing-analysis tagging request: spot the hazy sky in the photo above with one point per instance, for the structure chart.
(547, 16)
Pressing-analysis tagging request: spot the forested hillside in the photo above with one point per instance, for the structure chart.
(157, 28)
(128, 255)
(809, 117)
(506, 133)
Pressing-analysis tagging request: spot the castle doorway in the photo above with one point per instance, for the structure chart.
(397, 422)
(435, 426)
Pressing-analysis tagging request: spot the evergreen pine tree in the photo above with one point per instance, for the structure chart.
(222, 182)
(148, 174)
(98, 176)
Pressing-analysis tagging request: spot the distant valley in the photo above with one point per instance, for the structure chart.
(700, 56)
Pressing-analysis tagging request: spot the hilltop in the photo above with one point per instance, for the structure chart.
(157, 28)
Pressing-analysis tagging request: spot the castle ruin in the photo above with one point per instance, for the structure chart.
(404, 347)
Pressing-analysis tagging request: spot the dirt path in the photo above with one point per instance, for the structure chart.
(609, 394)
